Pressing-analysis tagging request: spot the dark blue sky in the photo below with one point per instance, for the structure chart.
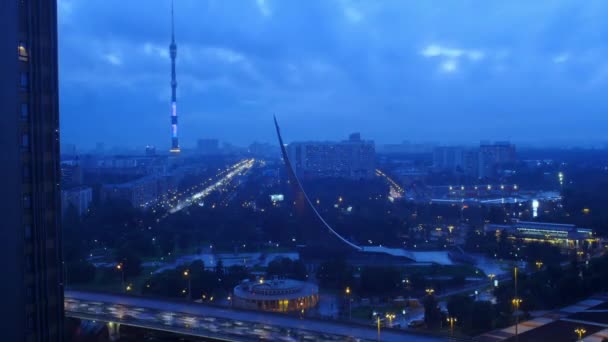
(447, 71)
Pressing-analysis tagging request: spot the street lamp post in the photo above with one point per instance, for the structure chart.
(390, 317)
(452, 320)
(349, 302)
(580, 332)
(516, 302)
(121, 268)
(429, 291)
(539, 265)
(378, 319)
(187, 275)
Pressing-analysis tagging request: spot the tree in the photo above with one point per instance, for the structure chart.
(336, 274)
(79, 272)
(432, 313)
(219, 269)
(483, 315)
(286, 267)
(461, 307)
(131, 262)
(384, 280)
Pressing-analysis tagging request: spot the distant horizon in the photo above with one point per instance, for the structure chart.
(600, 145)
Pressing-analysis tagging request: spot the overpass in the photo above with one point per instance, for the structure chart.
(219, 323)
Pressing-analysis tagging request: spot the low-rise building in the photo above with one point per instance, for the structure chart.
(142, 192)
(279, 295)
(563, 235)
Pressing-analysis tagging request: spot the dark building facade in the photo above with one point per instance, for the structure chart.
(30, 247)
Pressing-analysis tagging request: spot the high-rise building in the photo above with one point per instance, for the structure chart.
(456, 159)
(30, 249)
(78, 198)
(353, 158)
(150, 150)
(173, 51)
(448, 158)
(494, 156)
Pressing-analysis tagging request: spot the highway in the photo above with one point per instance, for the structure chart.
(219, 322)
(233, 171)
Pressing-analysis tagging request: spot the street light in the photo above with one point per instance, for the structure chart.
(390, 317)
(580, 332)
(378, 320)
(349, 304)
(539, 264)
(429, 291)
(121, 268)
(516, 303)
(187, 276)
(452, 320)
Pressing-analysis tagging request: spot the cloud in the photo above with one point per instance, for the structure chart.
(435, 50)
(113, 58)
(451, 57)
(155, 50)
(225, 54)
(449, 66)
(353, 14)
(331, 59)
(561, 58)
(264, 7)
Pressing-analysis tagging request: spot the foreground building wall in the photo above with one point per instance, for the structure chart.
(30, 248)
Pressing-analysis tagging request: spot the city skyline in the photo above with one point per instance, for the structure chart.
(400, 72)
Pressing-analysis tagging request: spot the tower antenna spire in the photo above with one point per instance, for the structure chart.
(173, 53)
(172, 24)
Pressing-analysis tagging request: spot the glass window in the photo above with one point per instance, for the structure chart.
(28, 231)
(23, 81)
(22, 51)
(27, 201)
(25, 140)
(24, 111)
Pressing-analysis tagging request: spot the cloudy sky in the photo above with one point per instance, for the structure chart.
(534, 72)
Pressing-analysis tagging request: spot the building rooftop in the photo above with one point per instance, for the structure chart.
(275, 289)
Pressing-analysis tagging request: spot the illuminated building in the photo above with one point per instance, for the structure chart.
(563, 235)
(32, 277)
(353, 158)
(173, 50)
(280, 295)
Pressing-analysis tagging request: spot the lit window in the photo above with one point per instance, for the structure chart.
(22, 51)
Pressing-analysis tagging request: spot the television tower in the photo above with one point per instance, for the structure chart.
(173, 51)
